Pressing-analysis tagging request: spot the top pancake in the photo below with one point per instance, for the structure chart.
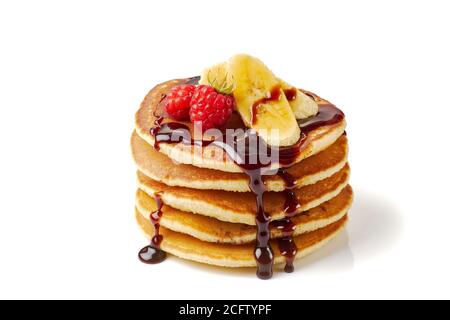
(212, 157)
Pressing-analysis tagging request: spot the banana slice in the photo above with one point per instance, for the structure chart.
(255, 90)
(302, 105)
(261, 101)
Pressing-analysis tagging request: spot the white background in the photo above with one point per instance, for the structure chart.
(72, 74)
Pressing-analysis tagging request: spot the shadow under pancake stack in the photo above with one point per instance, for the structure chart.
(227, 212)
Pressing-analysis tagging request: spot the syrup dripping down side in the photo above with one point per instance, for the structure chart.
(286, 243)
(263, 251)
(152, 254)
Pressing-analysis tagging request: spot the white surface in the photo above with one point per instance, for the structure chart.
(73, 74)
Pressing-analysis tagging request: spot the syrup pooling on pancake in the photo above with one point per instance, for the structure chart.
(175, 132)
(152, 253)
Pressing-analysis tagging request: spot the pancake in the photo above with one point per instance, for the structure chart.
(240, 207)
(161, 168)
(212, 157)
(213, 230)
(228, 255)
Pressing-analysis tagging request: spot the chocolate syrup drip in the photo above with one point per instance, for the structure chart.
(152, 253)
(291, 94)
(288, 249)
(291, 205)
(263, 251)
(174, 132)
(286, 243)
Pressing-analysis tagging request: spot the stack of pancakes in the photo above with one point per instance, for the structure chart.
(208, 212)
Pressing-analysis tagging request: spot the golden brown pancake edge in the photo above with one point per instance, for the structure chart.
(212, 230)
(233, 256)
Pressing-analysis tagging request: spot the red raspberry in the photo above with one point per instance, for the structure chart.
(178, 101)
(209, 108)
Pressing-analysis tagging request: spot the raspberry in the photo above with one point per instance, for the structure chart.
(209, 108)
(178, 101)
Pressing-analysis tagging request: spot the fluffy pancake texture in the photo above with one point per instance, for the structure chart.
(240, 207)
(212, 157)
(161, 168)
(212, 230)
(229, 255)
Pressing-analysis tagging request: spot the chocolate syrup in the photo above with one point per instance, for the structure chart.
(312, 95)
(291, 205)
(263, 251)
(286, 243)
(288, 249)
(328, 115)
(174, 132)
(154, 131)
(152, 253)
(291, 94)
